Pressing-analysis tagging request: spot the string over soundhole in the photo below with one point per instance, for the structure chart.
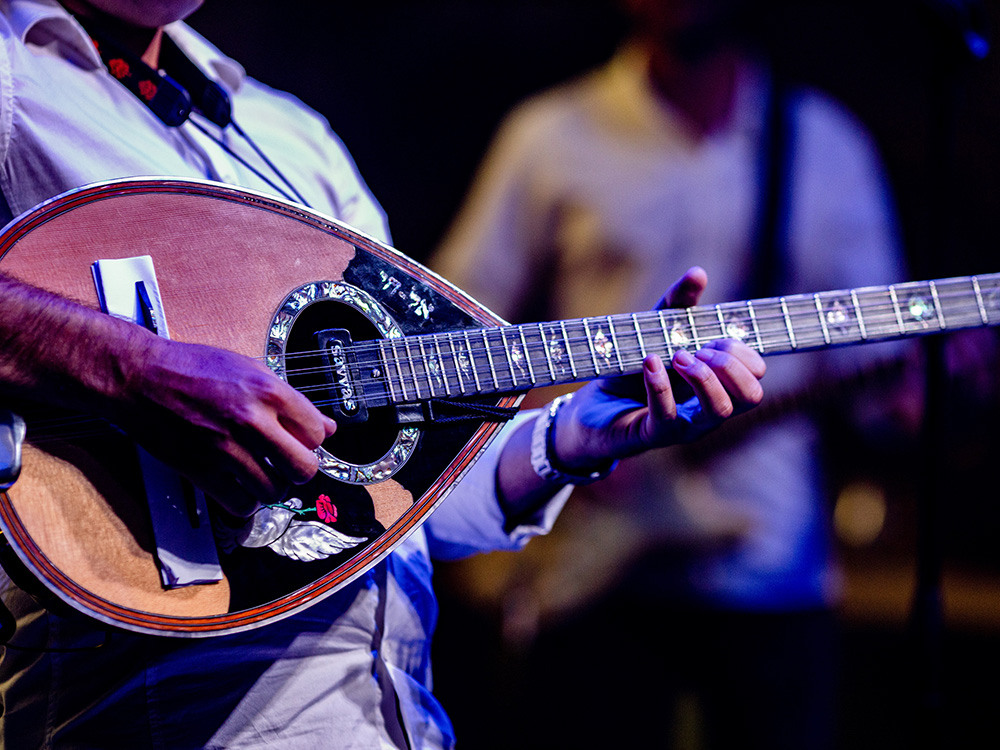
(322, 340)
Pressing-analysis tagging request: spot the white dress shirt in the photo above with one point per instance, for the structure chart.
(352, 671)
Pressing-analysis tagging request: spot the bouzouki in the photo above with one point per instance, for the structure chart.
(418, 375)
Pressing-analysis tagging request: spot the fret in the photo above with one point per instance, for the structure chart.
(703, 322)
(880, 320)
(591, 347)
(918, 307)
(771, 324)
(441, 365)
(552, 352)
(840, 317)
(651, 332)
(425, 369)
(679, 334)
(411, 365)
(399, 369)
(788, 322)
(631, 348)
(506, 379)
(802, 313)
(489, 359)
(756, 329)
(979, 302)
(897, 310)
(722, 321)
(418, 366)
(857, 312)
(695, 344)
(545, 350)
(458, 364)
(638, 336)
(387, 371)
(822, 319)
(510, 356)
(937, 306)
(559, 353)
(614, 343)
(369, 374)
(581, 351)
(527, 355)
(533, 337)
(569, 348)
(666, 334)
(472, 360)
(468, 362)
(990, 291)
(735, 320)
(960, 302)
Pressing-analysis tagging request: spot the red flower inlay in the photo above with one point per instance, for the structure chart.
(325, 509)
(148, 90)
(119, 68)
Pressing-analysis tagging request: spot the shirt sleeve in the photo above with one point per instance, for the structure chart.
(470, 520)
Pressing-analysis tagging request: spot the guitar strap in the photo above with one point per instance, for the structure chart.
(172, 98)
(178, 90)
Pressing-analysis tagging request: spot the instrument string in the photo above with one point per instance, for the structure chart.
(456, 363)
(433, 348)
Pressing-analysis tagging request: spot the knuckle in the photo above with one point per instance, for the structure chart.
(317, 434)
(302, 466)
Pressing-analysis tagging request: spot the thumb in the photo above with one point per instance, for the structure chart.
(687, 290)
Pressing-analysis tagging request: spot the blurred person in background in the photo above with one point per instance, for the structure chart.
(699, 585)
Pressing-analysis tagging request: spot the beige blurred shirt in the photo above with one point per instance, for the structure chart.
(592, 199)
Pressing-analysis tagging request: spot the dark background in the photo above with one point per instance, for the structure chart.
(416, 88)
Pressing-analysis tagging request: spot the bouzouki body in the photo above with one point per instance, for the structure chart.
(417, 374)
(249, 274)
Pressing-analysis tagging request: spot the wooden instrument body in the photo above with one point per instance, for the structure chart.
(252, 274)
(224, 258)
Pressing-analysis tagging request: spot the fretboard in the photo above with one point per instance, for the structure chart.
(520, 357)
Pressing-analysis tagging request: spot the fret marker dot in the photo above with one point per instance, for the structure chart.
(735, 329)
(602, 345)
(919, 308)
(836, 315)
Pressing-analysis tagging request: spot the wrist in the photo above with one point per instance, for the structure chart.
(545, 460)
(120, 377)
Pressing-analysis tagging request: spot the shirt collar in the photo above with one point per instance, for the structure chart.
(43, 22)
(46, 22)
(207, 57)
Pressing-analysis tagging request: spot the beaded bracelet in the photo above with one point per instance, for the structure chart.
(543, 459)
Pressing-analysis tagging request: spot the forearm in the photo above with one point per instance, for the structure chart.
(520, 490)
(531, 470)
(62, 352)
(225, 420)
